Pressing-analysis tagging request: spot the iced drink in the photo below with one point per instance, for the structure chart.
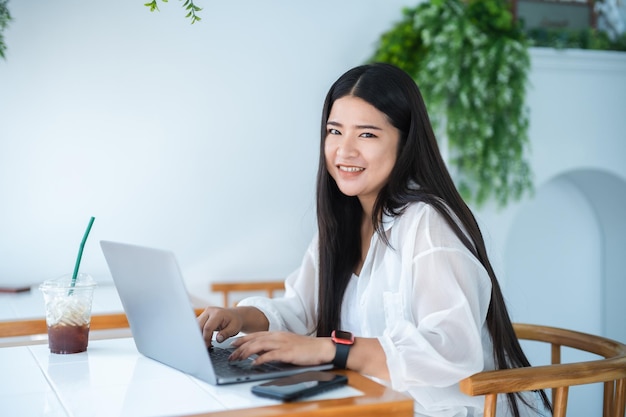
(68, 312)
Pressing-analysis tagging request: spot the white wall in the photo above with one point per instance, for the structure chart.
(198, 138)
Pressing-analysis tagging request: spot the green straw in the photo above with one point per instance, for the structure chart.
(80, 251)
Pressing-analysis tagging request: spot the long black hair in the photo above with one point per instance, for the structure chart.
(419, 162)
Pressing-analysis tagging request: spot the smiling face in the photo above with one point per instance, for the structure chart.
(360, 148)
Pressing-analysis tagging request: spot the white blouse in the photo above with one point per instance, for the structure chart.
(425, 297)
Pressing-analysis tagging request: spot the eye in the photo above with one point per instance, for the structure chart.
(332, 131)
(367, 135)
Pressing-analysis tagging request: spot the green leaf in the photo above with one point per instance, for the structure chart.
(152, 5)
(471, 64)
(187, 5)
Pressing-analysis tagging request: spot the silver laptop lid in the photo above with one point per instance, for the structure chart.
(159, 311)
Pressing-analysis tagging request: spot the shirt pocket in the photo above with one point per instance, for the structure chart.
(393, 304)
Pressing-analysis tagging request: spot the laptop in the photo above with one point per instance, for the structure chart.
(163, 323)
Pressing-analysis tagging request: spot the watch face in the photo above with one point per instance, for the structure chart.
(339, 336)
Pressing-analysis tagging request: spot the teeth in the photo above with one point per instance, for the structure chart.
(350, 169)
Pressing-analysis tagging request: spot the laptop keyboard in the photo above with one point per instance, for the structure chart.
(224, 367)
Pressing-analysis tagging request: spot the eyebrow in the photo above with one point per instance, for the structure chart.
(332, 123)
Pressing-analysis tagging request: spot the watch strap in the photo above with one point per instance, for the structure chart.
(341, 355)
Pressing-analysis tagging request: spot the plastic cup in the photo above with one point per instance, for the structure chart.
(68, 312)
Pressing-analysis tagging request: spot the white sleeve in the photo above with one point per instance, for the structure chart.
(296, 311)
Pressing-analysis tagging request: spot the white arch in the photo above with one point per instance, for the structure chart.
(566, 263)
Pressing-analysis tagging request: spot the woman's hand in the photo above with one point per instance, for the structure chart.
(228, 322)
(284, 347)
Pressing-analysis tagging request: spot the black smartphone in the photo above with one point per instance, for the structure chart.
(298, 386)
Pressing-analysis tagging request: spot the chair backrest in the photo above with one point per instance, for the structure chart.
(37, 326)
(270, 287)
(610, 370)
(28, 327)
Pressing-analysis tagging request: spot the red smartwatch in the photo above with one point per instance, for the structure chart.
(343, 342)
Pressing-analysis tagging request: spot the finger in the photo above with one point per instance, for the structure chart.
(222, 336)
(215, 322)
(218, 321)
(207, 333)
(272, 355)
(202, 317)
(256, 345)
(248, 337)
(229, 328)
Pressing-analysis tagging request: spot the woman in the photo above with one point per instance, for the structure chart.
(398, 261)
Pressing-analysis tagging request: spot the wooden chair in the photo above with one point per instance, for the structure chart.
(29, 327)
(270, 288)
(25, 328)
(610, 370)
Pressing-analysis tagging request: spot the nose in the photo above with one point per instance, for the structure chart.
(346, 147)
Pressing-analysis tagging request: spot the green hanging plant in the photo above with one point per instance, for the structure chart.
(188, 5)
(5, 18)
(471, 62)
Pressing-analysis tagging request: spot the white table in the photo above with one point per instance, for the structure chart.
(113, 379)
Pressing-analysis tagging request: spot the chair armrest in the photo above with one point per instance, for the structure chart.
(544, 377)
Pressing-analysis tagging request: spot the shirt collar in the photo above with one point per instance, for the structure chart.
(387, 221)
